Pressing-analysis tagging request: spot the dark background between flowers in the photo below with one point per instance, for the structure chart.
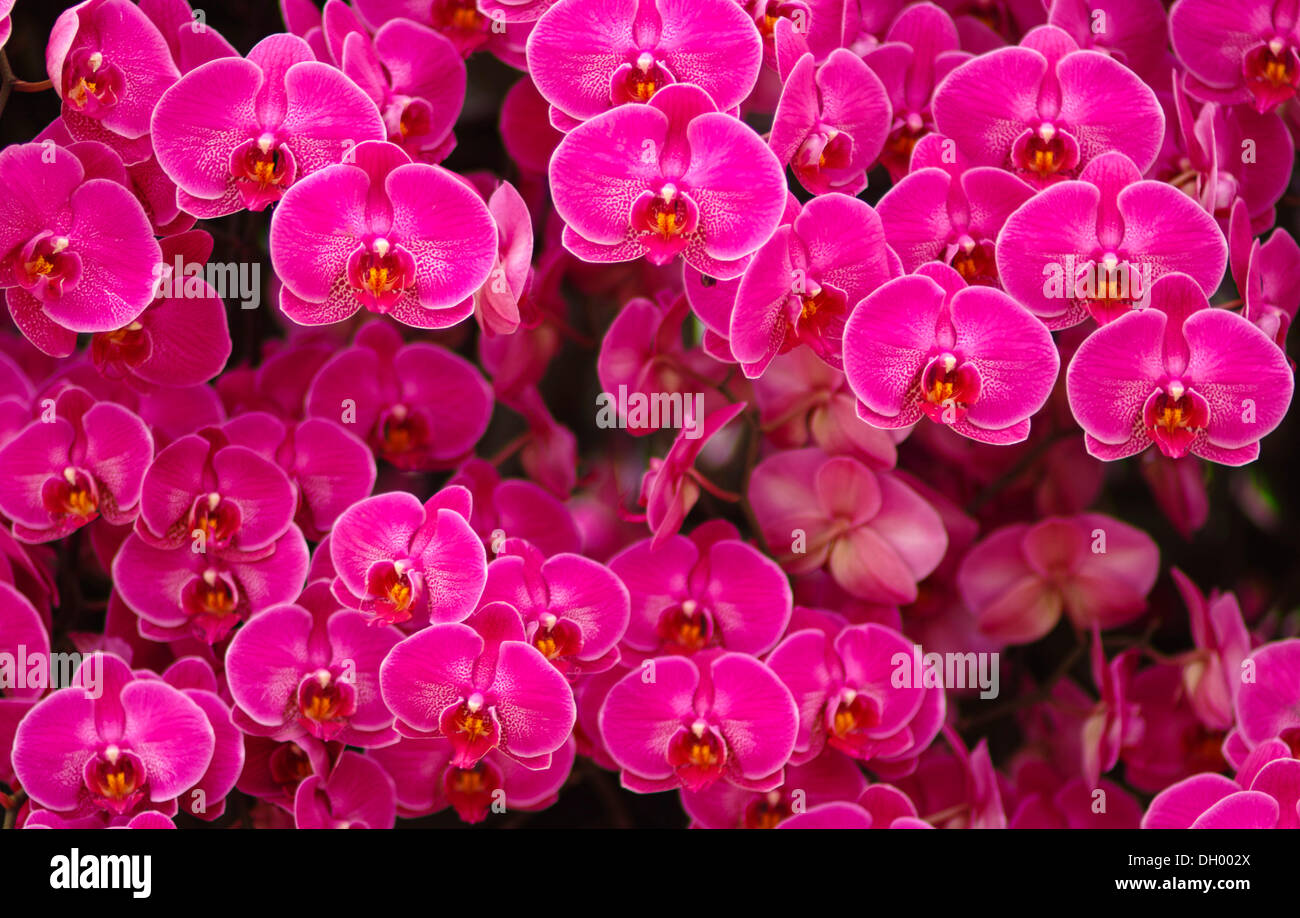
(1250, 543)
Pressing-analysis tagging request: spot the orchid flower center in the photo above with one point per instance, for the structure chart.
(402, 432)
(686, 626)
(949, 386)
(472, 728)
(1045, 157)
(462, 15)
(556, 638)
(645, 78)
(1110, 287)
(264, 164)
(474, 724)
(663, 221)
(698, 754)
(472, 791)
(408, 117)
(128, 346)
(1272, 73)
(814, 316)
(92, 83)
(217, 518)
(668, 214)
(73, 493)
(325, 703)
(211, 602)
(1174, 416)
(393, 588)
(1274, 63)
(289, 766)
(45, 266)
(263, 168)
(903, 142)
(975, 262)
(767, 811)
(1046, 153)
(848, 719)
(116, 778)
(825, 148)
(381, 273)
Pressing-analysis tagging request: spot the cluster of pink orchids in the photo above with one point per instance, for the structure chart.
(391, 561)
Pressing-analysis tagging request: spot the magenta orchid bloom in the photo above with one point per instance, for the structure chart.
(399, 560)
(1190, 378)
(417, 406)
(1215, 139)
(691, 594)
(399, 238)
(136, 741)
(575, 611)
(330, 469)
(694, 721)
(496, 303)
(110, 65)
(236, 133)
(224, 497)
(470, 25)
(642, 355)
(1264, 795)
(1045, 109)
(481, 686)
(1266, 705)
(516, 508)
(215, 540)
(1268, 276)
(587, 56)
(79, 253)
(1135, 32)
(179, 592)
(1211, 673)
(804, 402)
(194, 677)
(828, 778)
(1096, 246)
(311, 668)
(427, 781)
(357, 794)
(672, 177)
(417, 79)
(672, 485)
(970, 358)
(849, 699)
(86, 459)
(1095, 569)
(803, 284)
(831, 122)
(877, 537)
(920, 49)
(1246, 51)
(947, 210)
(182, 337)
